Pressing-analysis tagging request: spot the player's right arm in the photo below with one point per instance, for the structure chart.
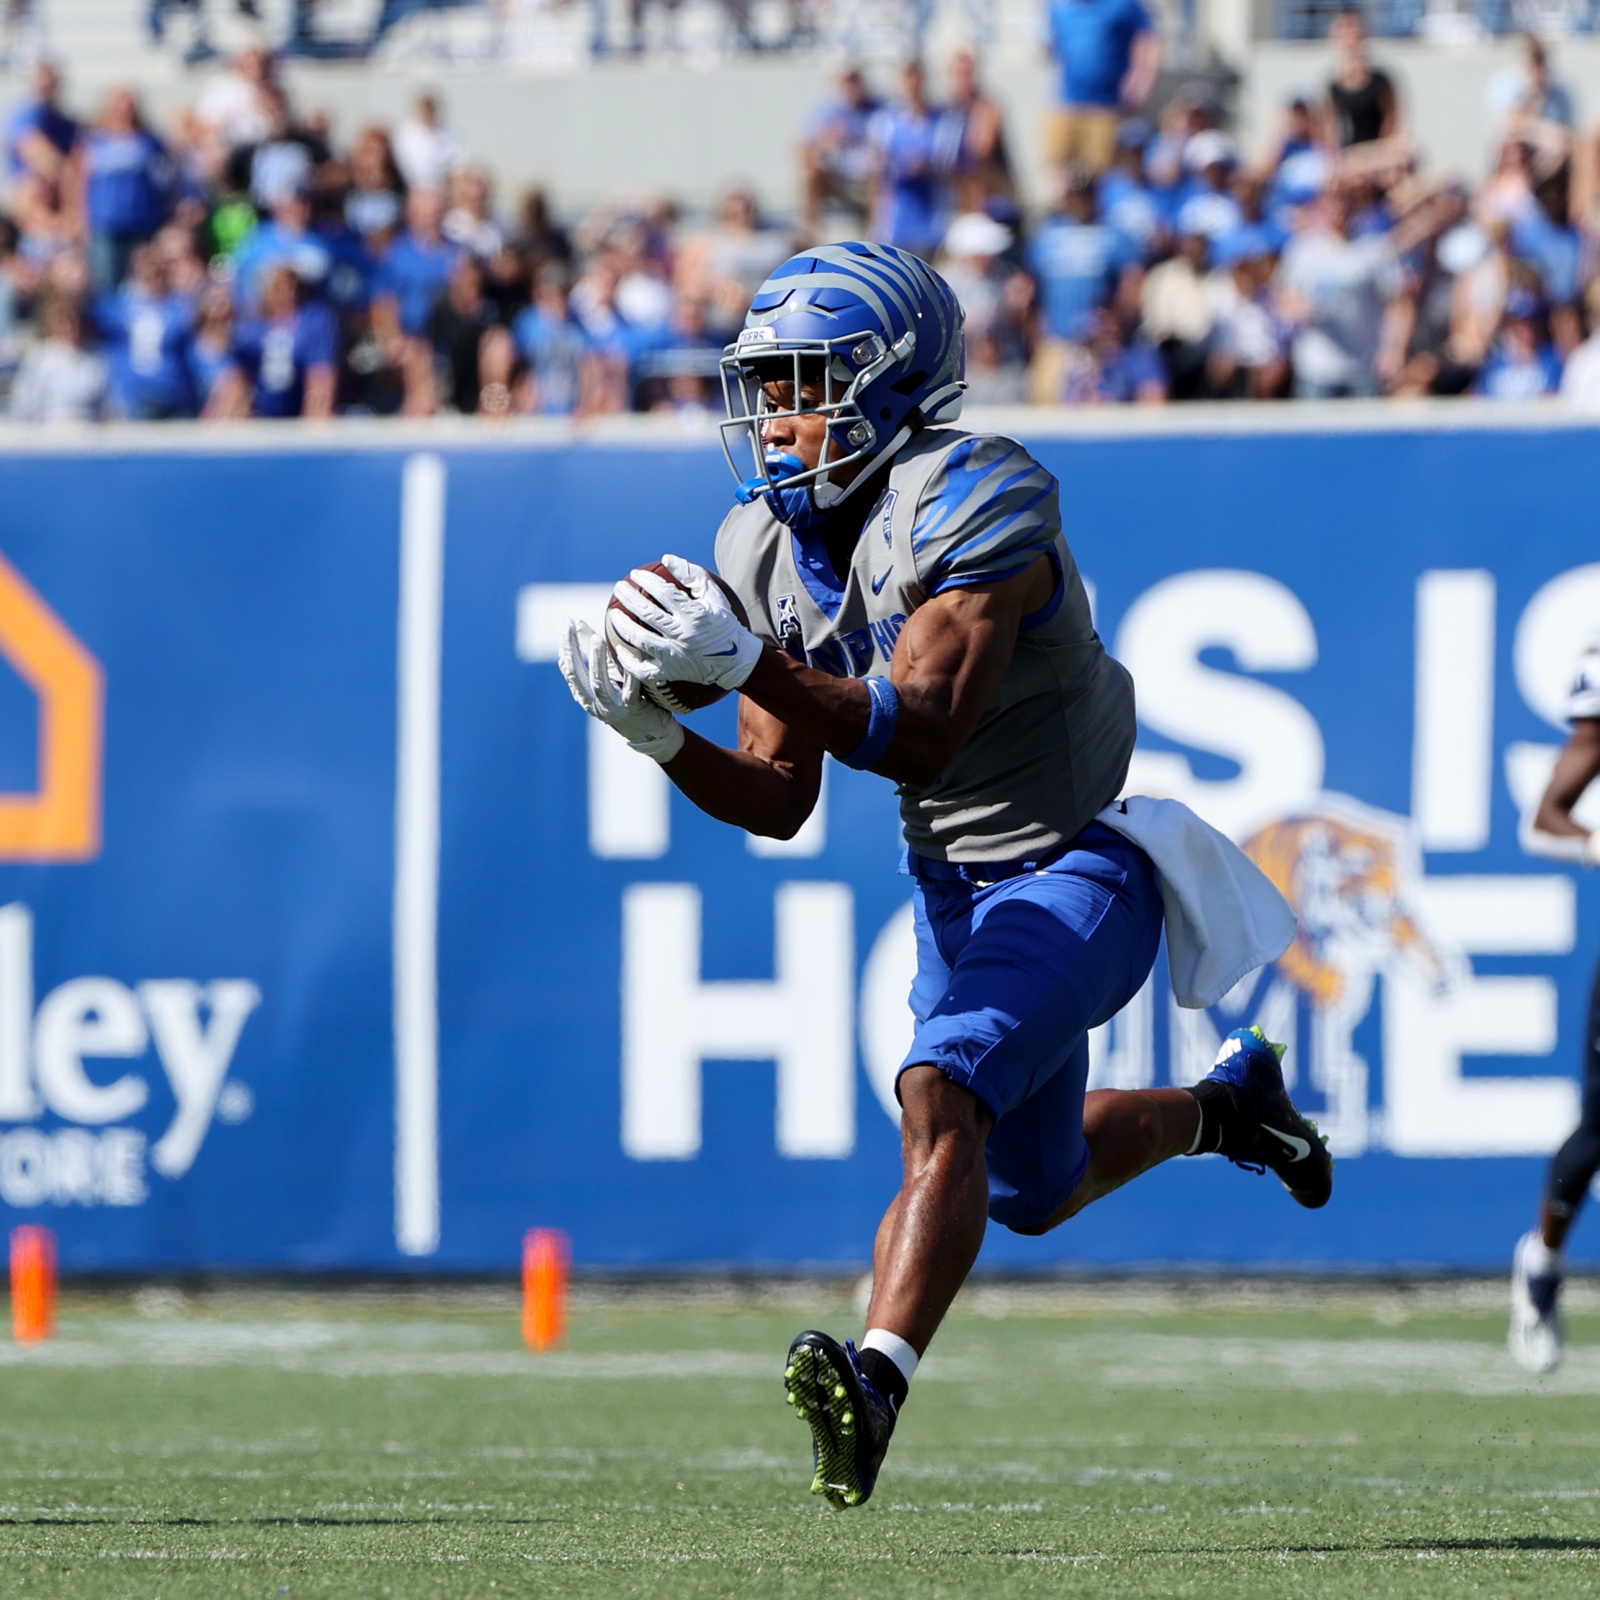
(1576, 768)
(1555, 832)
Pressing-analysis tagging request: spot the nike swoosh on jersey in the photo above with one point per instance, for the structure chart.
(732, 650)
(878, 583)
(1299, 1146)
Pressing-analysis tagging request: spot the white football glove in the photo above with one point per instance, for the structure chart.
(615, 698)
(698, 638)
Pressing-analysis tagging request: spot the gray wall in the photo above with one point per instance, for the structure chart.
(647, 127)
(622, 128)
(1444, 90)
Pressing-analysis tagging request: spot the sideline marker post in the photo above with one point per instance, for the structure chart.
(33, 1284)
(546, 1263)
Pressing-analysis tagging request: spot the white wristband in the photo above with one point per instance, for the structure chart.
(1591, 849)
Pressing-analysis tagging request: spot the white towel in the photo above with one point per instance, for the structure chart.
(1224, 915)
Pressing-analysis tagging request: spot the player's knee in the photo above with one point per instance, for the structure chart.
(1574, 1166)
(1023, 1214)
(938, 1112)
(1030, 1230)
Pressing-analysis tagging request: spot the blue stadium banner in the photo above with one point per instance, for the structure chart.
(332, 936)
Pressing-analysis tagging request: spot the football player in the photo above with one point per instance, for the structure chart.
(915, 611)
(1537, 1268)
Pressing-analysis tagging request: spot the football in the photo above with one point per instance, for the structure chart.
(679, 698)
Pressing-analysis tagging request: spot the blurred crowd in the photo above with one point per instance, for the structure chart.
(1333, 264)
(244, 261)
(241, 264)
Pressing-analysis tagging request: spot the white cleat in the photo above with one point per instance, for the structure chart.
(1537, 1337)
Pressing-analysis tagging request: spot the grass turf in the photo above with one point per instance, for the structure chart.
(1136, 1441)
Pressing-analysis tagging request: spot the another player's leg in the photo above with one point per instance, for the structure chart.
(1537, 1336)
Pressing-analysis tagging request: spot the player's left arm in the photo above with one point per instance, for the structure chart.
(948, 664)
(768, 786)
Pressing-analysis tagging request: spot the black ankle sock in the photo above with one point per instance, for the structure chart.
(886, 1378)
(1227, 1121)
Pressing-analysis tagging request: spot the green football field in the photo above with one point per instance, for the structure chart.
(1148, 1439)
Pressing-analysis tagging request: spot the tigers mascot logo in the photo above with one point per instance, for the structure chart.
(1348, 871)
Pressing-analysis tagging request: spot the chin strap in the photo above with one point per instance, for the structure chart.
(828, 496)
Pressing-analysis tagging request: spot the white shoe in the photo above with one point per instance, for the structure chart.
(1537, 1336)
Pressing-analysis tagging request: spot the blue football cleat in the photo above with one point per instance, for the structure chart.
(850, 1421)
(1280, 1138)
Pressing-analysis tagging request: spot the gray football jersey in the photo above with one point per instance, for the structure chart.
(957, 509)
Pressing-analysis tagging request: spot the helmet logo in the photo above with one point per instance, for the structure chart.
(761, 335)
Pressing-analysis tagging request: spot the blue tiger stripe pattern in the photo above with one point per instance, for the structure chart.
(890, 287)
(989, 513)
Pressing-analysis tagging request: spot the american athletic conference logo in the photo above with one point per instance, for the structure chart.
(68, 1136)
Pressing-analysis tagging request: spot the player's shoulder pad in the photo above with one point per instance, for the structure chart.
(986, 510)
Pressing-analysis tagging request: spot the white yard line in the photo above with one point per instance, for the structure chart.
(1130, 1361)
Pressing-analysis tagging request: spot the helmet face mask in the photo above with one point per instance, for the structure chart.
(841, 368)
(873, 334)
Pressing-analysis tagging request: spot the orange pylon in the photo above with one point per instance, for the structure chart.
(33, 1284)
(546, 1262)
